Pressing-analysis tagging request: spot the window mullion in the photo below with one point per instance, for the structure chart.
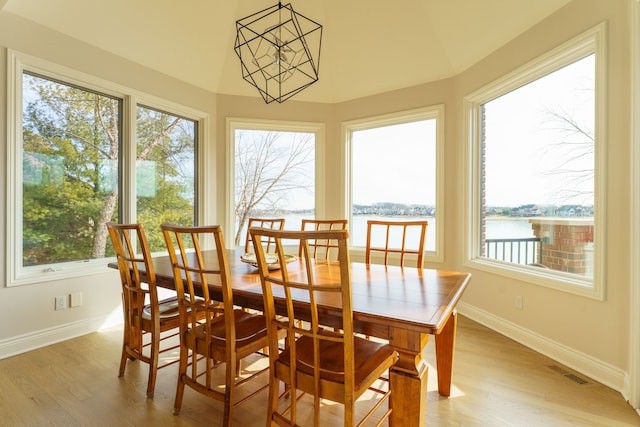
(127, 162)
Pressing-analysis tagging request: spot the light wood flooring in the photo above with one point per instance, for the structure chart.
(496, 382)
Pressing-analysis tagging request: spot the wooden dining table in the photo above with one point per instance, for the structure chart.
(401, 305)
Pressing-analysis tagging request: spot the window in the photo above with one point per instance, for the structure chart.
(165, 172)
(274, 165)
(70, 145)
(395, 172)
(71, 169)
(537, 152)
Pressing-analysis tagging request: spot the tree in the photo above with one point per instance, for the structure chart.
(574, 157)
(71, 146)
(72, 135)
(269, 166)
(166, 190)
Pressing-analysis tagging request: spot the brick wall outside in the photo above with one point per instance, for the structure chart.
(567, 243)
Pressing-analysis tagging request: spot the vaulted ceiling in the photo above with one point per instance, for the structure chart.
(368, 46)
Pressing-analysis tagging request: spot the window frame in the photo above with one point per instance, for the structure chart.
(234, 123)
(17, 63)
(435, 112)
(592, 41)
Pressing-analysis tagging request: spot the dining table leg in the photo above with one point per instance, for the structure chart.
(445, 343)
(408, 379)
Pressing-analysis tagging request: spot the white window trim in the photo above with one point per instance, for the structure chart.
(426, 113)
(17, 63)
(234, 123)
(591, 41)
(633, 393)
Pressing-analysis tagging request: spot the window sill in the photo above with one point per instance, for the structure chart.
(49, 273)
(560, 281)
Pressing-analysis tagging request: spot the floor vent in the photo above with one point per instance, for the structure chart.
(568, 374)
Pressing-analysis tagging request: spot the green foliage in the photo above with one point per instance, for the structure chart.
(71, 146)
(168, 142)
(58, 223)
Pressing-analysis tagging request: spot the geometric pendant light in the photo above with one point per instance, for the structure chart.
(279, 51)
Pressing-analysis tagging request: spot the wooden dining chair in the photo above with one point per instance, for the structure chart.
(317, 360)
(323, 249)
(275, 223)
(148, 321)
(227, 334)
(381, 236)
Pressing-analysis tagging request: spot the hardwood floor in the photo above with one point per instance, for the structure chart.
(496, 382)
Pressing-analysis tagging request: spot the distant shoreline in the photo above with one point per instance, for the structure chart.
(527, 218)
(510, 218)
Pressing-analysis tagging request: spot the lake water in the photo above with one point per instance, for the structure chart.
(496, 228)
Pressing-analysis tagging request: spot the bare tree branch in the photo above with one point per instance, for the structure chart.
(267, 170)
(570, 154)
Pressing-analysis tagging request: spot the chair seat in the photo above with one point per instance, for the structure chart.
(168, 308)
(249, 328)
(369, 358)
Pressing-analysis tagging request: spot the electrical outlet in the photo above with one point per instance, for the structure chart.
(61, 302)
(519, 302)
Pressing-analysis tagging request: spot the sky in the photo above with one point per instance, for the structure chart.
(524, 157)
(390, 164)
(395, 164)
(522, 139)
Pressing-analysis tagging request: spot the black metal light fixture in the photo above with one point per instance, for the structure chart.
(279, 51)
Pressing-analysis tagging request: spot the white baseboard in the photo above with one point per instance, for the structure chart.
(598, 370)
(27, 342)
